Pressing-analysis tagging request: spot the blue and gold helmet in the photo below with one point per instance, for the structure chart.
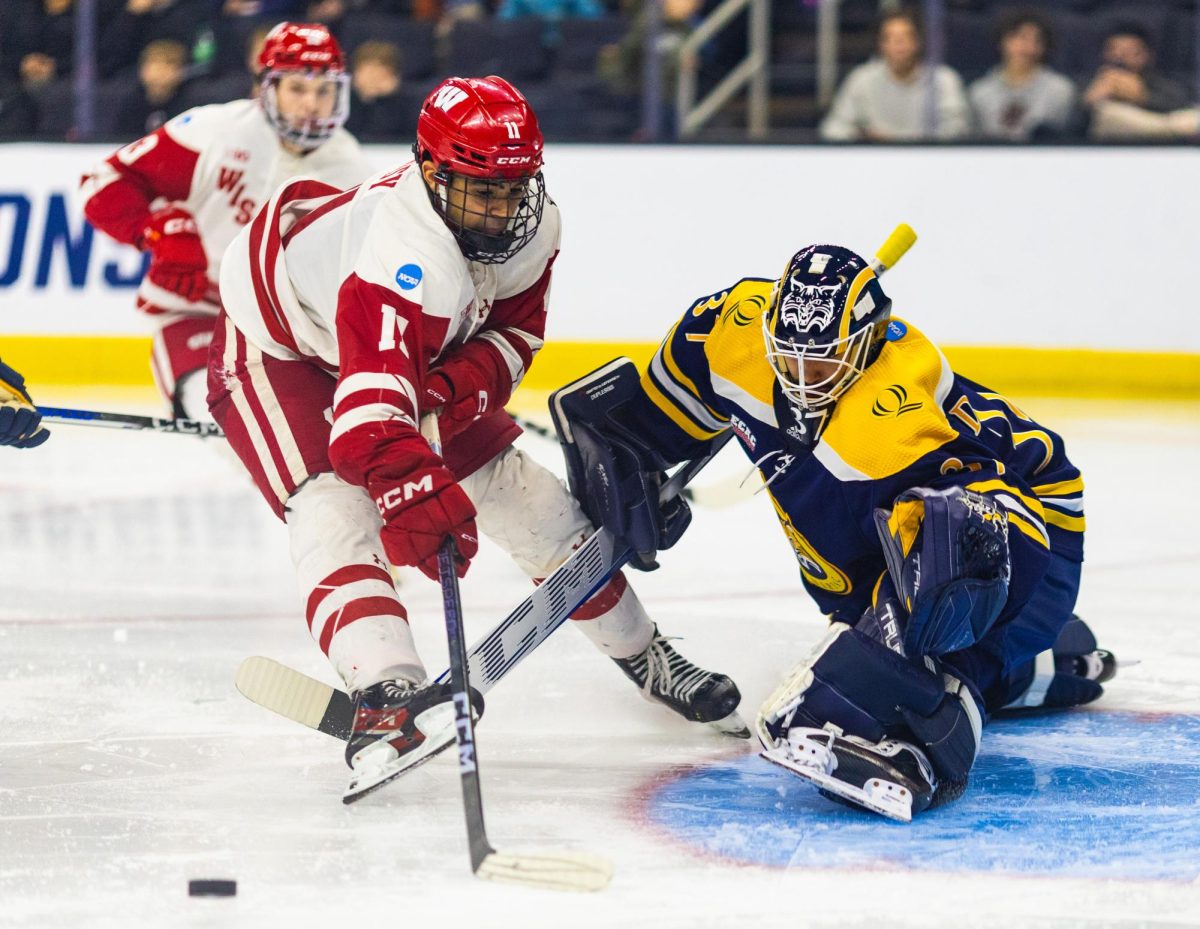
(827, 322)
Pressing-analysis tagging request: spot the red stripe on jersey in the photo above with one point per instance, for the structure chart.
(339, 578)
(360, 609)
(371, 396)
(151, 168)
(329, 205)
(277, 325)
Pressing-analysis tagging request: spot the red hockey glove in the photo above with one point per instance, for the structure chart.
(420, 508)
(460, 407)
(177, 259)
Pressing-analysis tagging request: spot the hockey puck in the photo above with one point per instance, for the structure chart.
(212, 888)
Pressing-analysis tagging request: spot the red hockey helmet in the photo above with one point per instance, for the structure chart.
(484, 132)
(309, 110)
(300, 47)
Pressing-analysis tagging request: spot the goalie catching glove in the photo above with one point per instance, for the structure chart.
(947, 554)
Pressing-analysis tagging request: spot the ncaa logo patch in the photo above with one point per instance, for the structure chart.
(409, 276)
(896, 330)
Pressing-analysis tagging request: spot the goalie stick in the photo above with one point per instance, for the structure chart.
(319, 706)
(196, 427)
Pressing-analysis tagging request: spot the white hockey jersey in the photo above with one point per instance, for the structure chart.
(220, 163)
(371, 285)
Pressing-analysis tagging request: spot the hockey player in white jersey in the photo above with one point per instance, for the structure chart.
(349, 315)
(183, 192)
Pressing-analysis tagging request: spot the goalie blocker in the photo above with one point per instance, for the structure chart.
(615, 477)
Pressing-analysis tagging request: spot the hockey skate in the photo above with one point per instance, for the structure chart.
(666, 677)
(398, 726)
(891, 778)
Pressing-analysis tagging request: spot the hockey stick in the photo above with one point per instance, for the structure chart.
(196, 427)
(563, 871)
(317, 705)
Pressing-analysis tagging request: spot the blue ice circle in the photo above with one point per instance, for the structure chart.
(1083, 794)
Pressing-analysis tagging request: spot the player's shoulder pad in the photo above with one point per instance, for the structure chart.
(893, 415)
(416, 258)
(201, 126)
(734, 345)
(527, 266)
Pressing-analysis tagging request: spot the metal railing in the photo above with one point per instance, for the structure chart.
(753, 72)
(828, 43)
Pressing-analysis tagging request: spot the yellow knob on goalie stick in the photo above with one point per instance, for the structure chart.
(900, 241)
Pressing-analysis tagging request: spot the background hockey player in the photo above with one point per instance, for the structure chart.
(20, 422)
(183, 192)
(937, 524)
(349, 315)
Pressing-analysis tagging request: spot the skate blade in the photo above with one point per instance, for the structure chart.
(884, 797)
(732, 725)
(368, 781)
(570, 871)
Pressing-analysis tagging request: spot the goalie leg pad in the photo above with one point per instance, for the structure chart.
(947, 554)
(855, 683)
(865, 690)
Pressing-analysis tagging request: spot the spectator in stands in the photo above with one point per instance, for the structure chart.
(1022, 99)
(18, 112)
(162, 69)
(378, 111)
(620, 65)
(885, 98)
(552, 12)
(45, 31)
(1129, 98)
(137, 23)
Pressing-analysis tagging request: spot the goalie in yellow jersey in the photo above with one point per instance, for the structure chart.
(937, 524)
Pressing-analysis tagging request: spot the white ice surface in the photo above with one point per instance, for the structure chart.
(137, 570)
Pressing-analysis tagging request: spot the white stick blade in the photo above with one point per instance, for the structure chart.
(574, 871)
(283, 690)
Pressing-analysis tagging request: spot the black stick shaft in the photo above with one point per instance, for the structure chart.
(54, 414)
(464, 727)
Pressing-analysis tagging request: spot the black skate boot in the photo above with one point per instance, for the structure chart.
(397, 726)
(891, 777)
(666, 677)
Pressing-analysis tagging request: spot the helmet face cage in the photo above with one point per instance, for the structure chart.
(309, 133)
(472, 207)
(828, 314)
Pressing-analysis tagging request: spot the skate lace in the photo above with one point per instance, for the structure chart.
(394, 690)
(668, 673)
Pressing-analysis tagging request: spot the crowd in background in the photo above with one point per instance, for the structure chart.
(1020, 99)
(579, 61)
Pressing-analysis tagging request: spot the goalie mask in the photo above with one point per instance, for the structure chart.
(486, 147)
(826, 324)
(303, 84)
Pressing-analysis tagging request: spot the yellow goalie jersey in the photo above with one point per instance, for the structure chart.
(909, 421)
